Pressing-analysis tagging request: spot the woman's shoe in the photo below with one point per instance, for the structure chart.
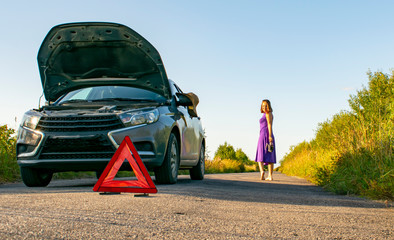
(269, 178)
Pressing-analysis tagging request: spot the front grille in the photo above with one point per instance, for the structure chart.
(97, 143)
(83, 147)
(79, 123)
(92, 146)
(76, 155)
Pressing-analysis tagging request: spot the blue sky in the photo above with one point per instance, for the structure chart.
(307, 57)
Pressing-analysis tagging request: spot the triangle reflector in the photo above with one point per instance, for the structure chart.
(126, 151)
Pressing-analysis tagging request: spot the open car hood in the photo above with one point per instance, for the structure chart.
(78, 55)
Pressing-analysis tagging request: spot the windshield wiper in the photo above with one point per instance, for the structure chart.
(73, 101)
(123, 99)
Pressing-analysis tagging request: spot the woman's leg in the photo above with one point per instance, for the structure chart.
(270, 170)
(261, 167)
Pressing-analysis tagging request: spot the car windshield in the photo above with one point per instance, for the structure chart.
(110, 93)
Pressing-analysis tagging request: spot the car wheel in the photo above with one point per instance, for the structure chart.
(168, 172)
(197, 172)
(35, 178)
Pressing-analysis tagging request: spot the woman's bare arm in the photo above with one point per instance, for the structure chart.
(269, 122)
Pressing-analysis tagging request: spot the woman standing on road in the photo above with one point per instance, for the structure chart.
(265, 146)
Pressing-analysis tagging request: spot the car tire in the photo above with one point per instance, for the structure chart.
(197, 172)
(168, 172)
(35, 178)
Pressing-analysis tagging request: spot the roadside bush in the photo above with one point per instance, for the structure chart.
(225, 151)
(227, 166)
(352, 153)
(228, 160)
(9, 170)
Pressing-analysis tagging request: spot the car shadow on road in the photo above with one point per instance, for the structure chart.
(275, 192)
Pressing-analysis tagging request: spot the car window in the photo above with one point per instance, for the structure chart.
(83, 94)
(111, 92)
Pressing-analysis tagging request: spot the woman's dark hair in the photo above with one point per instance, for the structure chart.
(269, 105)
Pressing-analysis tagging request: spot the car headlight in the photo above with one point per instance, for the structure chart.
(28, 137)
(135, 118)
(28, 141)
(30, 120)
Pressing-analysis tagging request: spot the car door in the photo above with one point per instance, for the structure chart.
(189, 134)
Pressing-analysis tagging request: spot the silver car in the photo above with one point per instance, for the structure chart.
(102, 82)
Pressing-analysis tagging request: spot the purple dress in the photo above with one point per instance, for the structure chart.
(262, 154)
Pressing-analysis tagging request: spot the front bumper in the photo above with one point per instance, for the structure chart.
(87, 151)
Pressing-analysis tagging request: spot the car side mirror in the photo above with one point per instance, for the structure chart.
(183, 100)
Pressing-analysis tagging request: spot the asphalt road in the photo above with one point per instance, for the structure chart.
(222, 206)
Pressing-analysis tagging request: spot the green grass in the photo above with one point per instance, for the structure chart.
(229, 166)
(9, 170)
(358, 173)
(352, 153)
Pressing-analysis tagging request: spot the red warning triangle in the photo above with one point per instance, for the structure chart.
(143, 184)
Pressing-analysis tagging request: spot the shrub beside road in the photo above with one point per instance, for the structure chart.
(353, 152)
(9, 170)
